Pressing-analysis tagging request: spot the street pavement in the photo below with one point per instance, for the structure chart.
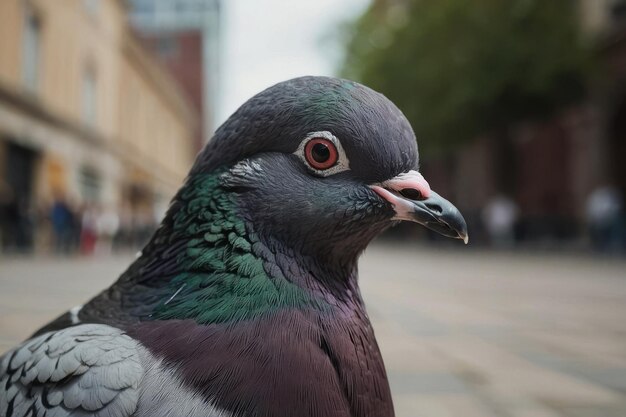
(463, 333)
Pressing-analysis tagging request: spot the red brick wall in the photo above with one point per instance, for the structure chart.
(181, 53)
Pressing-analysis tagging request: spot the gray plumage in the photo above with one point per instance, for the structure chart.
(92, 370)
(86, 369)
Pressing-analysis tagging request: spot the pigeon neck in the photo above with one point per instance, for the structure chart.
(222, 271)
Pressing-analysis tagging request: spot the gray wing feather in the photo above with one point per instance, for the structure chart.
(90, 370)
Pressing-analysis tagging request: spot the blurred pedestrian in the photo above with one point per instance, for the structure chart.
(605, 210)
(16, 220)
(7, 215)
(63, 225)
(499, 217)
(107, 223)
(124, 238)
(89, 229)
(44, 235)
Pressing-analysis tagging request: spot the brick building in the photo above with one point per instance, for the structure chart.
(185, 36)
(86, 112)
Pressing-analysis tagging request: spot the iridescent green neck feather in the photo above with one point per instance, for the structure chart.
(221, 278)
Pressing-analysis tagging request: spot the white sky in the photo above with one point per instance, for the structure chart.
(267, 41)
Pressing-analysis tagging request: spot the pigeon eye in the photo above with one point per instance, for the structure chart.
(321, 153)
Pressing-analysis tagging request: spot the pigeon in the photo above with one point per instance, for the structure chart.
(245, 302)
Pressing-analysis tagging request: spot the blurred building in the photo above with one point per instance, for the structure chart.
(611, 38)
(185, 36)
(86, 113)
(550, 168)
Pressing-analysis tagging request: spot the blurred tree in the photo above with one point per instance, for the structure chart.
(458, 67)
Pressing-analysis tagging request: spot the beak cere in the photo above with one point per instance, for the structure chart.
(413, 200)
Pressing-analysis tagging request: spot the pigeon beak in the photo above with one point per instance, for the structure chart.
(413, 200)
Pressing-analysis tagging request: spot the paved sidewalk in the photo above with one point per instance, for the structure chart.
(463, 333)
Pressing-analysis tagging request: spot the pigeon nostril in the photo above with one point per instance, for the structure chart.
(434, 208)
(411, 194)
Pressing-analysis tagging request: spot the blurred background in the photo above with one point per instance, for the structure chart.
(519, 108)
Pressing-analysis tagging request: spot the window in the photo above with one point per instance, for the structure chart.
(181, 7)
(89, 94)
(143, 6)
(31, 44)
(92, 6)
(90, 184)
(167, 46)
(200, 6)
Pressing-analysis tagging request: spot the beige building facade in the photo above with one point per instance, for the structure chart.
(85, 112)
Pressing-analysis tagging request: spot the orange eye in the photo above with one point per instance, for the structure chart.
(321, 153)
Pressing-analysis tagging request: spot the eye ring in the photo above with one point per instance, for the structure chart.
(332, 144)
(321, 153)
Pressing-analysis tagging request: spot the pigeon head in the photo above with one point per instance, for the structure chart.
(283, 199)
(324, 165)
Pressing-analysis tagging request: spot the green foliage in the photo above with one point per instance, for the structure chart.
(458, 67)
(222, 279)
